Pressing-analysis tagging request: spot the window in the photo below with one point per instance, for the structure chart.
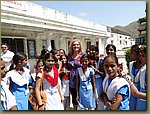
(15, 45)
(53, 44)
(120, 42)
(68, 44)
(112, 41)
(44, 44)
(88, 44)
(97, 44)
(31, 48)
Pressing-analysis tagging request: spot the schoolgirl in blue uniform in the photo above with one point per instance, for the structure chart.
(85, 85)
(134, 71)
(18, 80)
(142, 103)
(114, 86)
(95, 63)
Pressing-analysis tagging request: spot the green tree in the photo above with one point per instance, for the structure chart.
(127, 56)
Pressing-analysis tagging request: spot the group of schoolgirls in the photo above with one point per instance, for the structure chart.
(99, 84)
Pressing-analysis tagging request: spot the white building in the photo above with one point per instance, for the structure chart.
(27, 27)
(122, 41)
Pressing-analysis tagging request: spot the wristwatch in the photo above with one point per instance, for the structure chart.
(41, 105)
(127, 77)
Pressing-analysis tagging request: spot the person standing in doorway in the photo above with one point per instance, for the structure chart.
(6, 55)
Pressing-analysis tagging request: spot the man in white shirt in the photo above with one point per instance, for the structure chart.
(6, 55)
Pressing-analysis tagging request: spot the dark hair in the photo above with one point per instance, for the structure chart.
(43, 52)
(40, 60)
(144, 50)
(54, 51)
(93, 47)
(111, 45)
(5, 45)
(112, 57)
(63, 55)
(16, 58)
(63, 51)
(84, 56)
(48, 55)
(67, 60)
(139, 48)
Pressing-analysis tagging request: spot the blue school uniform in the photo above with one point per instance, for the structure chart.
(19, 85)
(117, 86)
(7, 98)
(135, 74)
(99, 79)
(21, 94)
(86, 93)
(141, 103)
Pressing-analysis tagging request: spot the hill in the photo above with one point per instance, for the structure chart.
(131, 29)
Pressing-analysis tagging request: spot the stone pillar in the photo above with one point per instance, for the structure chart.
(83, 44)
(25, 46)
(93, 41)
(100, 46)
(63, 43)
(38, 44)
(57, 42)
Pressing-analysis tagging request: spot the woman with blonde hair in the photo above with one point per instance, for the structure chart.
(74, 56)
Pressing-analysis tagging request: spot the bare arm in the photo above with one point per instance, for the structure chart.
(59, 90)
(135, 92)
(37, 92)
(115, 105)
(97, 71)
(94, 87)
(60, 66)
(13, 108)
(103, 97)
(77, 87)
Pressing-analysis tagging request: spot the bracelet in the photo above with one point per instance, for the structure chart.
(41, 105)
(131, 84)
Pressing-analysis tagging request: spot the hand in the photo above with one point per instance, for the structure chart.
(108, 104)
(77, 98)
(67, 72)
(113, 100)
(96, 96)
(122, 74)
(62, 99)
(92, 66)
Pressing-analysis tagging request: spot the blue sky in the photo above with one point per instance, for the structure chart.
(110, 13)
